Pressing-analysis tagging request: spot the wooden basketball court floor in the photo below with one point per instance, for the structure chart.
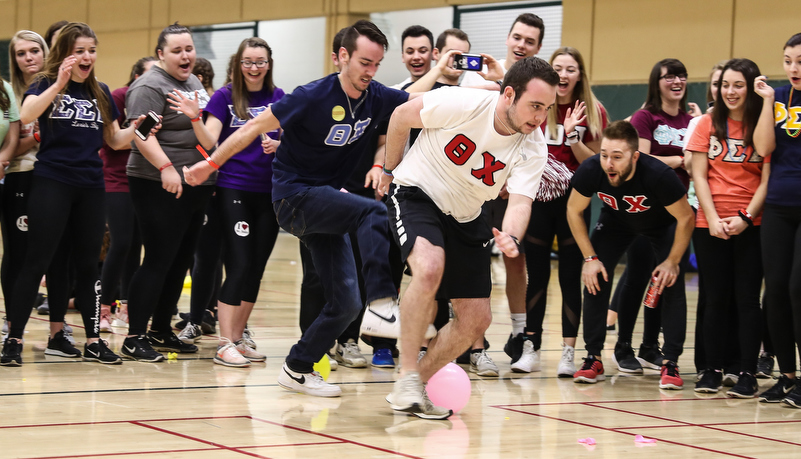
(191, 408)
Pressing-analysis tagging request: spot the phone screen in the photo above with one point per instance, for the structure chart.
(472, 62)
(143, 129)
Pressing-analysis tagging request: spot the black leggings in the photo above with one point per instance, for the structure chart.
(124, 250)
(781, 258)
(249, 231)
(207, 266)
(629, 293)
(63, 221)
(14, 221)
(733, 279)
(549, 219)
(170, 229)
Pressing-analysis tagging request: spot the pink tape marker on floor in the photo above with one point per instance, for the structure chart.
(641, 439)
(587, 441)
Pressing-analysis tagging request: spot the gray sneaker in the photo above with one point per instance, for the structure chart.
(482, 365)
(408, 395)
(349, 355)
(190, 334)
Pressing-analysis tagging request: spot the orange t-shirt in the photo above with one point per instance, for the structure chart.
(734, 171)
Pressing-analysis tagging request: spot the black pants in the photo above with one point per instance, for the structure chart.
(249, 231)
(170, 229)
(549, 219)
(61, 216)
(124, 250)
(628, 296)
(207, 266)
(611, 239)
(14, 221)
(781, 258)
(732, 281)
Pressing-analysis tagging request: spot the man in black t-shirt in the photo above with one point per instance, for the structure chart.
(640, 195)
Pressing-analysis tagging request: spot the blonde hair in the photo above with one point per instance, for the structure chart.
(583, 92)
(17, 77)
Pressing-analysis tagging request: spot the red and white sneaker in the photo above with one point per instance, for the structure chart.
(671, 379)
(590, 372)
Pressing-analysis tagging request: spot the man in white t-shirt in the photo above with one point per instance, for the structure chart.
(524, 40)
(472, 142)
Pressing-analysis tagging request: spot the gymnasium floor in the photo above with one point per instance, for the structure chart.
(190, 408)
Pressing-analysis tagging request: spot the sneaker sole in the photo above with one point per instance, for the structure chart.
(91, 359)
(790, 403)
(230, 364)
(706, 390)
(172, 349)
(733, 394)
(383, 365)
(670, 386)
(142, 359)
(586, 380)
(647, 364)
(12, 363)
(565, 374)
(764, 375)
(483, 373)
(346, 364)
(307, 392)
(57, 353)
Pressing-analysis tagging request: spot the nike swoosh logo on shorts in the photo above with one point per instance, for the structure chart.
(301, 380)
(391, 318)
(486, 243)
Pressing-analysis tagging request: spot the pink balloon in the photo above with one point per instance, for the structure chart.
(449, 387)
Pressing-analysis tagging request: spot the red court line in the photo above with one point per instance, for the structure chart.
(199, 440)
(344, 440)
(608, 429)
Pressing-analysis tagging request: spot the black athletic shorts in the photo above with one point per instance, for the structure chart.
(413, 214)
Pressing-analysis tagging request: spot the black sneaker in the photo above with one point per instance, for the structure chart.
(709, 382)
(60, 346)
(209, 324)
(12, 353)
(99, 352)
(793, 399)
(779, 391)
(514, 346)
(764, 366)
(138, 348)
(168, 342)
(464, 359)
(650, 356)
(746, 386)
(625, 360)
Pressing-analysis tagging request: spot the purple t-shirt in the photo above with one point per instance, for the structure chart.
(250, 169)
(666, 134)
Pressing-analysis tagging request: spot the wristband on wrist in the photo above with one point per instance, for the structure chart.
(500, 83)
(37, 137)
(517, 241)
(591, 258)
(208, 158)
(378, 166)
(387, 171)
(199, 116)
(746, 216)
(166, 165)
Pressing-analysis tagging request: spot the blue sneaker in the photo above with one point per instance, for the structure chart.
(382, 358)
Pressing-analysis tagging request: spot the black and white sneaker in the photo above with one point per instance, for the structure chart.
(793, 399)
(60, 346)
(99, 352)
(779, 391)
(138, 348)
(168, 342)
(12, 353)
(746, 386)
(625, 359)
(514, 346)
(650, 356)
(709, 382)
(307, 383)
(765, 366)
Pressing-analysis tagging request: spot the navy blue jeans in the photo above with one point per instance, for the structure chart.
(322, 217)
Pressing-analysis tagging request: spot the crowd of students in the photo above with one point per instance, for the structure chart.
(741, 160)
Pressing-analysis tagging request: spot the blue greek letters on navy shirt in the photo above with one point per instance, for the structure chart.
(322, 140)
(638, 203)
(785, 161)
(71, 130)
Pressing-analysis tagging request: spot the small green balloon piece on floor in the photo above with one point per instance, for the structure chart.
(323, 367)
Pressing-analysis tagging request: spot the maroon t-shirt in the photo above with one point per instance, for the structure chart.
(114, 161)
(666, 134)
(559, 147)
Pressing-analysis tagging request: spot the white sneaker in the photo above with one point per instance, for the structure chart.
(190, 334)
(382, 319)
(482, 365)
(307, 383)
(247, 337)
(566, 368)
(408, 395)
(349, 355)
(332, 362)
(529, 361)
(248, 352)
(229, 356)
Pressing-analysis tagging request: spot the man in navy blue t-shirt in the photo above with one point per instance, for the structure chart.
(640, 195)
(326, 126)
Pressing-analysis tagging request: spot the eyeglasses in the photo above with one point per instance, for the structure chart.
(670, 78)
(258, 64)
